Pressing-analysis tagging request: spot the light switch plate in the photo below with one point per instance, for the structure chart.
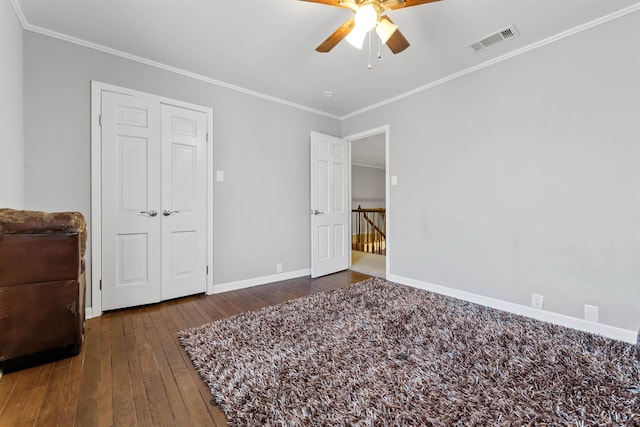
(394, 180)
(220, 176)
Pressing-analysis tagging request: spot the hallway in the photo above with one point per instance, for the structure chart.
(366, 263)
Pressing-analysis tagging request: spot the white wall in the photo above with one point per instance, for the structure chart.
(11, 114)
(261, 213)
(525, 177)
(367, 187)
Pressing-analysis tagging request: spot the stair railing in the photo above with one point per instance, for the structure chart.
(369, 230)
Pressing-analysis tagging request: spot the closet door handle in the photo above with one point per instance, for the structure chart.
(167, 212)
(150, 213)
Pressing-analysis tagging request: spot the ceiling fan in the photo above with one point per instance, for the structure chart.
(369, 14)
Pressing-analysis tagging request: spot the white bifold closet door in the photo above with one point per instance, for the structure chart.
(153, 201)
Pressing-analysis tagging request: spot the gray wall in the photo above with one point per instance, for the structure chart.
(261, 213)
(11, 115)
(367, 187)
(525, 177)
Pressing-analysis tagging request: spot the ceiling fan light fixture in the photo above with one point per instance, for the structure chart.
(385, 30)
(356, 37)
(366, 18)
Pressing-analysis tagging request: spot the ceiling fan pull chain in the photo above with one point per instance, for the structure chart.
(379, 47)
(370, 67)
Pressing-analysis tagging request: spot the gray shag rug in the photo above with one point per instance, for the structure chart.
(381, 354)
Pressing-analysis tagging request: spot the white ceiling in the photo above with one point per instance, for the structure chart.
(369, 151)
(267, 46)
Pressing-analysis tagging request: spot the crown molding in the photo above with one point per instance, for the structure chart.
(364, 165)
(525, 49)
(586, 26)
(35, 29)
(18, 10)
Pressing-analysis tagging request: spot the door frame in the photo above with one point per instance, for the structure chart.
(95, 227)
(360, 135)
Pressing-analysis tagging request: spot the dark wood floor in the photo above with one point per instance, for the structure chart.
(132, 371)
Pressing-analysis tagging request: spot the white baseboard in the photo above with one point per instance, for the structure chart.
(241, 284)
(546, 316)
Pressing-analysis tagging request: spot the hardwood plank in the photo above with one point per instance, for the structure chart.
(148, 364)
(196, 304)
(215, 308)
(159, 405)
(50, 408)
(189, 311)
(153, 390)
(231, 307)
(181, 371)
(63, 363)
(124, 413)
(207, 308)
(18, 397)
(176, 405)
(44, 375)
(87, 407)
(70, 399)
(32, 407)
(105, 384)
(7, 382)
(37, 395)
(152, 387)
(183, 319)
(143, 416)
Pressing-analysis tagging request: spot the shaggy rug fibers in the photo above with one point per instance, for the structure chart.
(381, 354)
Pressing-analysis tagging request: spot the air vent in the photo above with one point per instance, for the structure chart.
(497, 37)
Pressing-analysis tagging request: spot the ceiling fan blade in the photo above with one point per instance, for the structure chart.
(347, 4)
(337, 36)
(397, 42)
(399, 4)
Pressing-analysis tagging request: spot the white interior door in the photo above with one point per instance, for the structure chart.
(330, 206)
(131, 223)
(153, 200)
(184, 197)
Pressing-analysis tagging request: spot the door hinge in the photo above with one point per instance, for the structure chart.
(207, 136)
(100, 284)
(100, 120)
(207, 269)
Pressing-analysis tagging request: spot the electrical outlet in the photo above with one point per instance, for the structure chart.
(537, 301)
(591, 313)
(279, 267)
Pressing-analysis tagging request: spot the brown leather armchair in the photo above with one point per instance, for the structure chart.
(42, 284)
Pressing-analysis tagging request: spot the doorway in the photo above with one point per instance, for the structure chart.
(369, 202)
